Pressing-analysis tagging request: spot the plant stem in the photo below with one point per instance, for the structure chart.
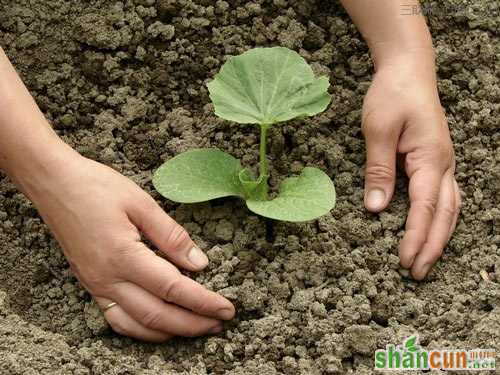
(263, 167)
(262, 152)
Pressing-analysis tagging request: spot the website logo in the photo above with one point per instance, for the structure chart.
(410, 356)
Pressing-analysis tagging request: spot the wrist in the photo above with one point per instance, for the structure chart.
(407, 38)
(388, 55)
(38, 165)
(31, 153)
(413, 65)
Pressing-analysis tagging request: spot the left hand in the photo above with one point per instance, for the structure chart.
(98, 215)
(402, 115)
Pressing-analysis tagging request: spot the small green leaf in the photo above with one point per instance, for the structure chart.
(410, 344)
(266, 86)
(301, 198)
(255, 189)
(199, 175)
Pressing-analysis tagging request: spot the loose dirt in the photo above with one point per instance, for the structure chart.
(124, 84)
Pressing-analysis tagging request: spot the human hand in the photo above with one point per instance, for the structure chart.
(97, 215)
(402, 115)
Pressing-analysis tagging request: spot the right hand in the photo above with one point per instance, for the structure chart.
(97, 215)
(403, 117)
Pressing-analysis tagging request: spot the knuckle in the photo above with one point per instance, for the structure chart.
(121, 248)
(378, 126)
(170, 292)
(459, 203)
(125, 254)
(177, 237)
(201, 305)
(434, 155)
(449, 211)
(117, 326)
(149, 205)
(371, 129)
(105, 266)
(191, 331)
(441, 151)
(118, 244)
(151, 319)
(96, 283)
(446, 152)
(146, 208)
(379, 172)
(434, 253)
(428, 205)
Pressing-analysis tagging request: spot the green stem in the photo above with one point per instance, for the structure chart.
(263, 153)
(263, 167)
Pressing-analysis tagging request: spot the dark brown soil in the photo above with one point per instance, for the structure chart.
(124, 83)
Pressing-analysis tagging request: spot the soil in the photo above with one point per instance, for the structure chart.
(124, 84)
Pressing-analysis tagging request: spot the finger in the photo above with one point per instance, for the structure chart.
(424, 190)
(123, 324)
(165, 281)
(458, 202)
(439, 232)
(380, 174)
(156, 315)
(171, 238)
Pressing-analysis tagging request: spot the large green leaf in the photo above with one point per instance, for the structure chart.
(199, 175)
(266, 86)
(301, 198)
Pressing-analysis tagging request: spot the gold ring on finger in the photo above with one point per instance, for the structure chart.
(109, 305)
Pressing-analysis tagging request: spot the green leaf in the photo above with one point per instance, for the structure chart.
(301, 198)
(253, 188)
(266, 86)
(410, 344)
(199, 175)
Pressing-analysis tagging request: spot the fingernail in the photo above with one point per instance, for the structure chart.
(197, 257)
(375, 199)
(426, 268)
(216, 329)
(225, 313)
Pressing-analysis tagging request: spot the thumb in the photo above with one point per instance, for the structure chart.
(380, 173)
(167, 235)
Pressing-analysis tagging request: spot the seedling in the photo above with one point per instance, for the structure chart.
(263, 87)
